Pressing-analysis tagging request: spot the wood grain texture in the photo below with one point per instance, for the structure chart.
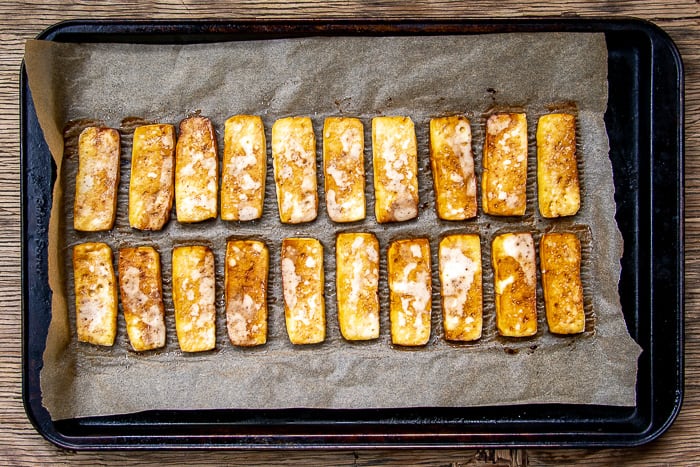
(19, 442)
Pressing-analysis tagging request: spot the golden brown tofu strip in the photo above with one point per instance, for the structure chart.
(302, 285)
(95, 293)
(514, 275)
(460, 286)
(394, 158)
(560, 261)
(557, 175)
(245, 275)
(410, 291)
(244, 168)
(140, 286)
(344, 168)
(97, 181)
(504, 178)
(453, 167)
(151, 184)
(194, 298)
(196, 171)
(357, 279)
(294, 163)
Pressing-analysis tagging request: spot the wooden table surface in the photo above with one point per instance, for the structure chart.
(20, 444)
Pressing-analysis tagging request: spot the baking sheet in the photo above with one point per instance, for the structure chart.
(416, 76)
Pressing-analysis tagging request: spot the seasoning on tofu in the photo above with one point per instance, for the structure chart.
(245, 277)
(141, 290)
(151, 184)
(514, 275)
(357, 279)
(504, 177)
(95, 293)
(394, 159)
(558, 191)
(302, 287)
(459, 257)
(294, 164)
(194, 297)
(97, 181)
(452, 163)
(560, 262)
(243, 169)
(344, 168)
(196, 171)
(410, 291)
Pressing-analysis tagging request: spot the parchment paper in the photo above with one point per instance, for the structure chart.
(420, 77)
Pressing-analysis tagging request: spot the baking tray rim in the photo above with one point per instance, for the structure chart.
(261, 29)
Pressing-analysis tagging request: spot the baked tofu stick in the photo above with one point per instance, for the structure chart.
(357, 279)
(244, 168)
(453, 167)
(294, 163)
(410, 291)
(344, 168)
(460, 280)
(95, 293)
(302, 286)
(557, 175)
(140, 287)
(97, 181)
(151, 184)
(560, 261)
(194, 298)
(196, 171)
(245, 277)
(504, 178)
(394, 158)
(514, 274)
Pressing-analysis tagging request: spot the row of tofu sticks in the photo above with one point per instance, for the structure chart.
(188, 170)
(504, 177)
(356, 290)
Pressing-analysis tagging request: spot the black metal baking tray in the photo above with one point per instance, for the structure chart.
(645, 126)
